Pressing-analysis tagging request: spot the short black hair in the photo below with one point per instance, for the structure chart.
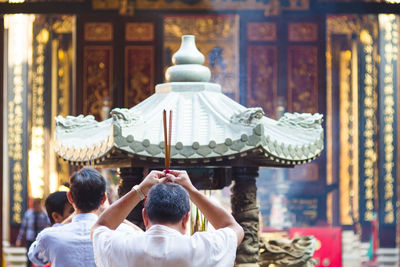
(55, 202)
(167, 203)
(87, 187)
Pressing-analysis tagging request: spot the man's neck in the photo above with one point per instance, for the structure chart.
(175, 226)
(78, 211)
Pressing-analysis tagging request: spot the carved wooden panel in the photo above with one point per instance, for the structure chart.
(269, 7)
(97, 79)
(139, 31)
(139, 74)
(303, 79)
(303, 32)
(98, 31)
(262, 72)
(261, 31)
(217, 37)
(106, 4)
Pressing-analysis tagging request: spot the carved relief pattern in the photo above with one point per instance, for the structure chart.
(97, 79)
(216, 38)
(246, 213)
(139, 74)
(262, 78)
(98, 31)
(303, 79)
(303, 32)
(135, 31)
(261, 31)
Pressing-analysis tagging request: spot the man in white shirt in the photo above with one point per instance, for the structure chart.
(70, 244)
(165, 215)
(58, 208)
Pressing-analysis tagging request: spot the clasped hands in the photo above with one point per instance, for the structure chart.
(171, 176)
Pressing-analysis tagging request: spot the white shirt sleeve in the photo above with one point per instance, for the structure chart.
(38, 253)
(221, 244)
(101, 242)
(107, 243)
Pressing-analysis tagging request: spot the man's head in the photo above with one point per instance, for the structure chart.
(87, 190)
(57, 206)
(167, 203)
(37, 205)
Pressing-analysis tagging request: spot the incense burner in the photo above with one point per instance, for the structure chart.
(213, 137)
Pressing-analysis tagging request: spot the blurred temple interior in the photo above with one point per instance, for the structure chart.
(337, 58)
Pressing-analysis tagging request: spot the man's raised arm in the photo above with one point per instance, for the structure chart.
(117, 212)
(215, 214)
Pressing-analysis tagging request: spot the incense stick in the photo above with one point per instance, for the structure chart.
(165, 138)
(169, 139)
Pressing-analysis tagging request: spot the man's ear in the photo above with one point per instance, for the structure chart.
(103, 199)
(185, 220)
(56, 217)
(70, 198)
(145, 218)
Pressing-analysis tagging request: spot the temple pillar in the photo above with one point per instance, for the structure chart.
(246, 213)
(130, 177)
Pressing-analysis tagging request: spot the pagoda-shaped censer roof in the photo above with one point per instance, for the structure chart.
(208, 128)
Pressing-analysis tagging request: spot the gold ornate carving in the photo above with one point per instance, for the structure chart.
(302, 32)
(106, 4)
(303, 79)
(345, 102)
(98, 78)
(370, 127)
(15, 140)
(343, 24)
(65, 24)
(334, 25)
(271, 8)
(204, 27)
(139, 31)
(62, 58)
(348, 112)
(389, 29)
(216, 38)
(202, 5)
(139, 74)
(98, 31)
(262, 78)
(261, 31)
(352, 25)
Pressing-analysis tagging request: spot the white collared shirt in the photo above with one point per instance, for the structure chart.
(162, 246)
(67, 245)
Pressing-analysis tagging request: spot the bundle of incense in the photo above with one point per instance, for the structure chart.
(167, 139)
